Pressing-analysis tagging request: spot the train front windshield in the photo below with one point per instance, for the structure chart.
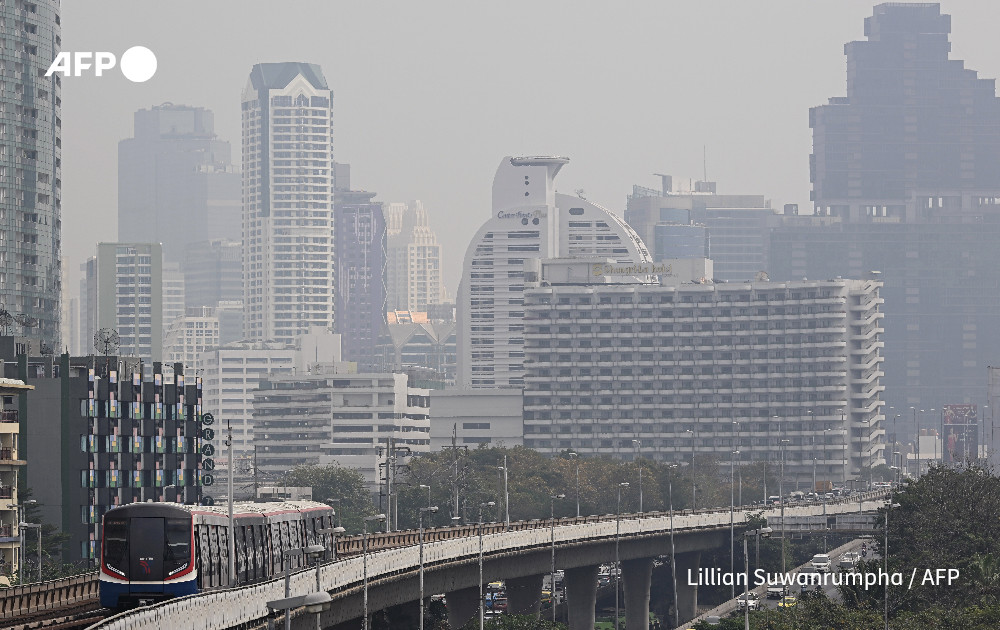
(147, 549)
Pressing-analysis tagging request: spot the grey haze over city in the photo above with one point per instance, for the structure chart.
(429, 96)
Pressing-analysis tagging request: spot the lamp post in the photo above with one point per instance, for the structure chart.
(420, 518)
(576, 457)
(694, 489)
(364, 555)
(732, 525)
(756, 533)
(482, 619)
(287, 556)
(229, 490)
(618, 526)
(781, 494)
(428, 489)
(39, 528)
(888, 507)
(506, 493)
(552, 539)
(673, 561)
(314, 603)
(637, 445)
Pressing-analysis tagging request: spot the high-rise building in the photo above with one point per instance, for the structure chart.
(413, 260)
(681, 219)
(770, 369)
(191, 334)
(529, 220)
(31, 170)
(176, 182)
(360, 273)
(12, 460)
(904, 171)
(213, 273)
(288, 196)
(173, 293)
(122, 290)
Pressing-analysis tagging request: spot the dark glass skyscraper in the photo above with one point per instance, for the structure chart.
(30, 170)
(906, 181)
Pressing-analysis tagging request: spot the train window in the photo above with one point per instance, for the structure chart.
(204, 566)
(224, 554)
(177, 552)
(213, 545)
(116, 545)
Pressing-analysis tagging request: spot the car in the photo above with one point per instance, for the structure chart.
(774, 500)
(776, 591)
(821, 562)
(748, 600)
(788, 601)
(849, 560)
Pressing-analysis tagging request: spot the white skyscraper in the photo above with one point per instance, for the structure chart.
(490, 303)
(287, 201)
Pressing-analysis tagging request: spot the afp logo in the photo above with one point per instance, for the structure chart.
(138, 64)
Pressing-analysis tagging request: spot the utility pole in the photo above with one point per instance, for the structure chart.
(457, 476)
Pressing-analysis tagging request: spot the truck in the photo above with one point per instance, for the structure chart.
(823, 487)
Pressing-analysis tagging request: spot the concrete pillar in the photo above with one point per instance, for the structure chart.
(463, 605)
(637, 575)
(524, 595)
(687, 595)
(581, 597)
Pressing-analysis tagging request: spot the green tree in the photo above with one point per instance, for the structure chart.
(515, 622)
(336, 482)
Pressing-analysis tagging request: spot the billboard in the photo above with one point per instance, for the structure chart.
(960, 433)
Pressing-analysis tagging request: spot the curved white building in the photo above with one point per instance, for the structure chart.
(490, 303)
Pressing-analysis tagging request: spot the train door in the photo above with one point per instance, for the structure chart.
(146, 536)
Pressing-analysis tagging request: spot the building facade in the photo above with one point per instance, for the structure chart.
(708, 368)
(529, 220)
(413, 267)
(176, 181)
(331, 416)
(31, 170)
(122, 290)
(11, 462)
(415, 340)
(904, 171)
(470, 417)
(190, 335)
(288, 197)
(213, 273)
(360, 272)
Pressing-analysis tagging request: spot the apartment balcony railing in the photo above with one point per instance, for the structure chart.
(8, 415)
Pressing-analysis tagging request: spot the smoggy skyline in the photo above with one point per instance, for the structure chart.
(429, 97)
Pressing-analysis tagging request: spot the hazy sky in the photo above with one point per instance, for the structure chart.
(429, 96)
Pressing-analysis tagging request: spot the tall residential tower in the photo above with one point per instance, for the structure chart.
(288, 222)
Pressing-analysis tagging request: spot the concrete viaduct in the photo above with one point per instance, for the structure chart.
(520, 556)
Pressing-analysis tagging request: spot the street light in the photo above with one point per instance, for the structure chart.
(482, 618)
(781, 494)
(287, 556)
(552, 538)
(756, 533)
(506, 493)
(694, 499)
(314, 603)
(888, 507)
(420, 522)
(618, 526)
(364, 554)
(732, 526)
(576, 457)
(673, 562)
(39, 528)
(637, 445)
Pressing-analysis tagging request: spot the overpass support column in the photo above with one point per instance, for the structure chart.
(687, 595)
(524, 595)
(463, 605)
(637, 575)
(581, 597)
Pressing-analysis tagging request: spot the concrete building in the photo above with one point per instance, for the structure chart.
(414, 340)
(529, 220)
(102, 435)
(332, 416)
(176, 181)
(288, 197)
(904, 180)
(735, 226)
(476, 416)
(213, 273)
(413, 267)
(30, 170)
(122, 289)
(360, 272)
(687, 367)
(12, 397)
(173, 293)
(190, 335)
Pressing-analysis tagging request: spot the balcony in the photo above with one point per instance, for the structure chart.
(8, 415)
(6, 492)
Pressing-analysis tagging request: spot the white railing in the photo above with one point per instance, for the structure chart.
(218, 610)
